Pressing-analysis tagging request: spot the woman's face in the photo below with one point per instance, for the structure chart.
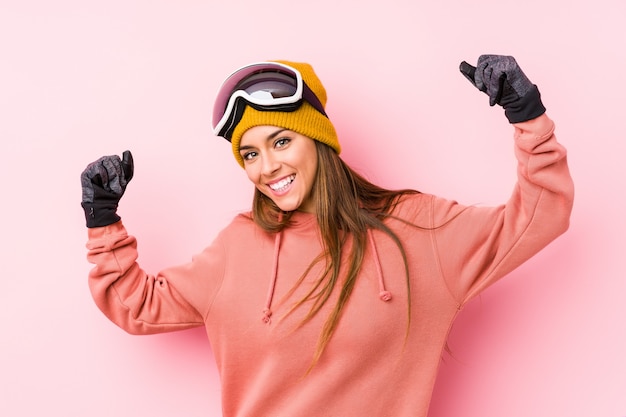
(282, 164)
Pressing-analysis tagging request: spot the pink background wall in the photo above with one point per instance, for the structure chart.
(79, 79)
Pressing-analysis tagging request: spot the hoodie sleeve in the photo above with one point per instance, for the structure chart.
(175, 299)
(478, 245)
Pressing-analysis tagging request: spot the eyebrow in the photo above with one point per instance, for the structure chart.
(269, 137)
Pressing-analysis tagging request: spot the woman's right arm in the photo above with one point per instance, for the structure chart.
(140, 303)
(175, 299)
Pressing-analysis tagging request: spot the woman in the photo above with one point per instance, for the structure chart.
(333, 296)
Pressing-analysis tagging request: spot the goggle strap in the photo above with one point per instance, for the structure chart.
(309, 96)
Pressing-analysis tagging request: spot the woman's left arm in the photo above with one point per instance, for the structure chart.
(478, 245)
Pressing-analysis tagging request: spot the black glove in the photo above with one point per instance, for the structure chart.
(104, 182)
(504, 82)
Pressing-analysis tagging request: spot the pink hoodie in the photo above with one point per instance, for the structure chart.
(372, 367)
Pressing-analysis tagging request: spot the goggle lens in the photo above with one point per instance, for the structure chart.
(266, 86)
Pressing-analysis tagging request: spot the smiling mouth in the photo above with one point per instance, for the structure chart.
(283, 184)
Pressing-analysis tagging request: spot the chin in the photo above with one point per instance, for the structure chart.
(287, 206)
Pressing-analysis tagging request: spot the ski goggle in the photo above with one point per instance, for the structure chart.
(265, 86)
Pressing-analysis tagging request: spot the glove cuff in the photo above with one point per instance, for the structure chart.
(99, 215)
(525, 108)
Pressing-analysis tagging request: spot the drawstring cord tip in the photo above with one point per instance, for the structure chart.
(385, 295)
(266, 316)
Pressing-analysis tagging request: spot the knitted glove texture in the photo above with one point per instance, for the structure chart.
(501, 78)
(103, 184)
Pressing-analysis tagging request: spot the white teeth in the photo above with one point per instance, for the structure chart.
(277, 186)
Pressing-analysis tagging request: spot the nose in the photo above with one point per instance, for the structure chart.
(270, 164)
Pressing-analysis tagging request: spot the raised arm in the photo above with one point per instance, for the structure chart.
(478, 245)
(140, 303)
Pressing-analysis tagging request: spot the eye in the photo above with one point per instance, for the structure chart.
(248, 156)
(282, 142)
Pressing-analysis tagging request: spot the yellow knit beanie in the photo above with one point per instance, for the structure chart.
(305, 120)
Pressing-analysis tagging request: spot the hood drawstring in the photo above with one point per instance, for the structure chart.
(267, 312)
(383, 294)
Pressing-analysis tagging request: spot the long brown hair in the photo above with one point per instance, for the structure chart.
(347, 204)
